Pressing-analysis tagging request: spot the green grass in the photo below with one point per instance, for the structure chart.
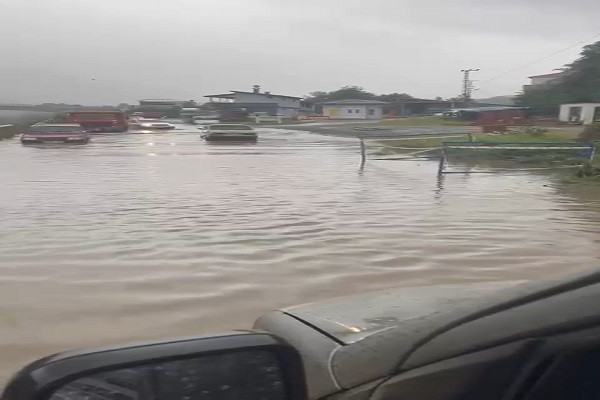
(7, 133)
(554, 135)
(285, 121)
(417, 121)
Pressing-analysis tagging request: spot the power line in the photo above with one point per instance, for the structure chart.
(541, 58)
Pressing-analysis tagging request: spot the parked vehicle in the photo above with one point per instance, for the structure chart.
(99, 121)
(539, 341)
(151, 124)
(63, 133)
(229, 133)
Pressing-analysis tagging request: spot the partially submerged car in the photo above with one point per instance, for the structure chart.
(497, 341)
(229, 133)
(149, 124)
(61, 133)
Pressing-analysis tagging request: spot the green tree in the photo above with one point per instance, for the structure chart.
(392, 97)
(579, 84)
(354, 92)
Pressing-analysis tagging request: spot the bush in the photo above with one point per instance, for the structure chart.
(591, 133)
(587, 170)
(536, 132)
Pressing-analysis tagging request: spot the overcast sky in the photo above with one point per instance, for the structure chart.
(111, 51)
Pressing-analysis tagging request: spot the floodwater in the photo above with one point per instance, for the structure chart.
(154, 235)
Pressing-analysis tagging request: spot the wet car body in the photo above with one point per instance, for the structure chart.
(151, 124)
(55, 133)
(229, 133)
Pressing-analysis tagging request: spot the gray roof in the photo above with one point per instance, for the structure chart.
(355, 102)
(233, 92)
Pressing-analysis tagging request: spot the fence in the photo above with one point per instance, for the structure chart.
(409, 151)
(549, 152)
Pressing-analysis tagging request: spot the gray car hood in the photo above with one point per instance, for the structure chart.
(350, 341)
(351, 319)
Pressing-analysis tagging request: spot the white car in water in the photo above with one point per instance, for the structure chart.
(229, 133)
(149, 124)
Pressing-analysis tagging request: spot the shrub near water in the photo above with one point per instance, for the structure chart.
(591, 133)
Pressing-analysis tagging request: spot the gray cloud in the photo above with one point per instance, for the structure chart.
(111, 51)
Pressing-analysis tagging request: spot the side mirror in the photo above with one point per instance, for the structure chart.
(249, 366)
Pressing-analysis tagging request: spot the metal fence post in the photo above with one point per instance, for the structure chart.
(363, 153)
(442, 164)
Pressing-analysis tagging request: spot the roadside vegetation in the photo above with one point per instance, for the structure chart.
(417, 121)
(578, 84)
(518, 135)
(9, 132)
(588, 172)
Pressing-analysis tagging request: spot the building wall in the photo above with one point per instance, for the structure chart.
(286, 106)
(587, 112)
(353, 112)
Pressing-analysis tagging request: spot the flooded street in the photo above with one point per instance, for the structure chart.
(153, 235)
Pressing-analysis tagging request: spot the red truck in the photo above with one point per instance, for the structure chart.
(99, 121)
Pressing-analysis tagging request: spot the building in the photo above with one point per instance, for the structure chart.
(354, 109)
(163, 107)
(257, 101)
(580, 113)
(540, 81)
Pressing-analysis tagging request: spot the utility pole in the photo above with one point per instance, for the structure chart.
(467, 84)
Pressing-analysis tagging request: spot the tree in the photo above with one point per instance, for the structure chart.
(392, 97)
(353, 92)
(580, 83)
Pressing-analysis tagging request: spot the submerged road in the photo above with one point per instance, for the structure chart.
(151, 235)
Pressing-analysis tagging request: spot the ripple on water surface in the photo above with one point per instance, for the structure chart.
(162, 235)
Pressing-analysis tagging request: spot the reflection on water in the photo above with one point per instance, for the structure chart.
(153, 235)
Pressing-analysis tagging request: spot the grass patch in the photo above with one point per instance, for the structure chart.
(9, 132)
(275, 123)
(417, 121)
(554, 135)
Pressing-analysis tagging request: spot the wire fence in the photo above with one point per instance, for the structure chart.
(555, 153)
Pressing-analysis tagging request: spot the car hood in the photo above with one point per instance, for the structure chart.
(350, 319)
(401, 328)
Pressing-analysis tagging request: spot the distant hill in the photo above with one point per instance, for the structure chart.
(502, 100)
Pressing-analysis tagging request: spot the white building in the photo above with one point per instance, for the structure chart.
(354, 109)
(585, 113)
(257, 101)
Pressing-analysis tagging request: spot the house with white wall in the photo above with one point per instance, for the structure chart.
(354, 109)
(257, 101)
(584, 113)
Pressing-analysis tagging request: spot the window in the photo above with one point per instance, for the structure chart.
(349, 111)
(371, 111)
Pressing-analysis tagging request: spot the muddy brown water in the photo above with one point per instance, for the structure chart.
(158, 235)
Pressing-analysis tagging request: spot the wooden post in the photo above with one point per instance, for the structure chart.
(363, 154)
(442, 164)
(470, 137)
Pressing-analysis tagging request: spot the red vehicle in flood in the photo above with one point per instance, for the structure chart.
(56, 133)
(99, 121)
